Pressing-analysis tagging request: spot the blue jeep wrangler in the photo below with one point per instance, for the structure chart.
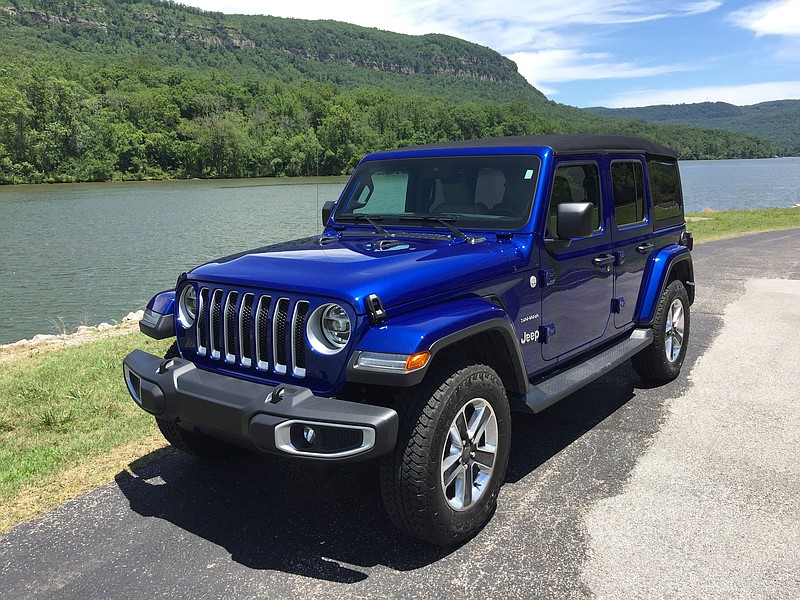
(452, 283)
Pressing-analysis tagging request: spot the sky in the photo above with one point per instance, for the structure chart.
(614, 53)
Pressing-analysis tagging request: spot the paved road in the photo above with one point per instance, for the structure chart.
(619, 490)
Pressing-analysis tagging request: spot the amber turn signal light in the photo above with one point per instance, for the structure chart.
(417, 361)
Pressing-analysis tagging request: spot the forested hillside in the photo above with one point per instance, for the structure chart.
(778, 121)
(116, 89)
(168, 34)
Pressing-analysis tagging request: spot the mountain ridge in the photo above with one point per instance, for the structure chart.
(324, 50)
(776, 120)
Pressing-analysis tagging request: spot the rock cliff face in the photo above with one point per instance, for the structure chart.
(426, 64)
(51, 19)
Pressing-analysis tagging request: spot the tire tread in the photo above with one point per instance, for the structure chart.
(405, 471)
(651, 363)
(186, 441)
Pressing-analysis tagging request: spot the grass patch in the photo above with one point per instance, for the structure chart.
(66, 421)
(707, 226)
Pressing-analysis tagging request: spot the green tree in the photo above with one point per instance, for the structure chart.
(224, 147)
(337, 134)
(15, 114)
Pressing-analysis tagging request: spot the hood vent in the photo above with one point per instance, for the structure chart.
(385, 245)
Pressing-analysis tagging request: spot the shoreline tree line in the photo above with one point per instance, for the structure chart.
(132, 122)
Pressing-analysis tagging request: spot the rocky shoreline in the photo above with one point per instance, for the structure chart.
(84, 333)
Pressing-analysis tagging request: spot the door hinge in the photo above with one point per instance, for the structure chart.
(546, 332)
(617, 304)
(547, 277)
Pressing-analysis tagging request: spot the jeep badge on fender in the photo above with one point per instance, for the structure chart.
(452, 284)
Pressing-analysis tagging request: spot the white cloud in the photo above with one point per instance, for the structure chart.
(699, 8)
(770, 18)
(741, 95)
(557, 66)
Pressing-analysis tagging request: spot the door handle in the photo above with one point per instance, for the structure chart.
(604, 260)
(644, 248)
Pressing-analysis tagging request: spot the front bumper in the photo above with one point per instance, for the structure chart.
(273, 419)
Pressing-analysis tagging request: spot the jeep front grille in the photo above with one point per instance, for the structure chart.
(252, 330)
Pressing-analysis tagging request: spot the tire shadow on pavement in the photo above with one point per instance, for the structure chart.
(277, 514)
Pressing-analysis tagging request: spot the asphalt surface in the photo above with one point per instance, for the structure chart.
(621, 490)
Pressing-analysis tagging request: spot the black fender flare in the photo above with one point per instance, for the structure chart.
(471, 317)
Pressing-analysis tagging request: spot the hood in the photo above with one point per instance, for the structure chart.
(397, 269)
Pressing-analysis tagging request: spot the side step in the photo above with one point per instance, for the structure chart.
(548, 392)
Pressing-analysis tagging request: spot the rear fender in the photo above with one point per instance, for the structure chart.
(657, 273)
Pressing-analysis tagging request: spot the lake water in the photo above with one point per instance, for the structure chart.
(73, 254)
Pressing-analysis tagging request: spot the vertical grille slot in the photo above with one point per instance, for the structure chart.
(263, 332)
(229, 331)
(216, 325)
(299, 338)
(202, 323)
(279, 335)
(245, 330)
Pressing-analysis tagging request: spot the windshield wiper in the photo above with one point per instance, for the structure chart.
(443, 220)
(369, 219)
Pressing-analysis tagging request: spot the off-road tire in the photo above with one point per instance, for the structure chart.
(187, 441)
(172, 351)
(652, 363)
(411, 476)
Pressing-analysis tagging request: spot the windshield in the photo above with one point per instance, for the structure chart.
(483, 192)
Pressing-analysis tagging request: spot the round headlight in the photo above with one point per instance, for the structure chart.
(328, 329)
(335, 325)
(187, 307)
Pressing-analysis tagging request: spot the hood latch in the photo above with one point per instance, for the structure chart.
(375, 309)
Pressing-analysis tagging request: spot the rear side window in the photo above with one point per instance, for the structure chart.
(627, 179)
(665, 187)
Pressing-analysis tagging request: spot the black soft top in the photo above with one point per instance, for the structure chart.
(564, 144)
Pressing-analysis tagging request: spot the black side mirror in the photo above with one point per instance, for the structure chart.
(327, 209)
(575, 220)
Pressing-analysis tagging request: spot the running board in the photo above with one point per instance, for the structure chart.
(548, 392)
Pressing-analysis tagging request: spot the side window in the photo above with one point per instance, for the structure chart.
(665, 187)
(574, 183)
(627, 181)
